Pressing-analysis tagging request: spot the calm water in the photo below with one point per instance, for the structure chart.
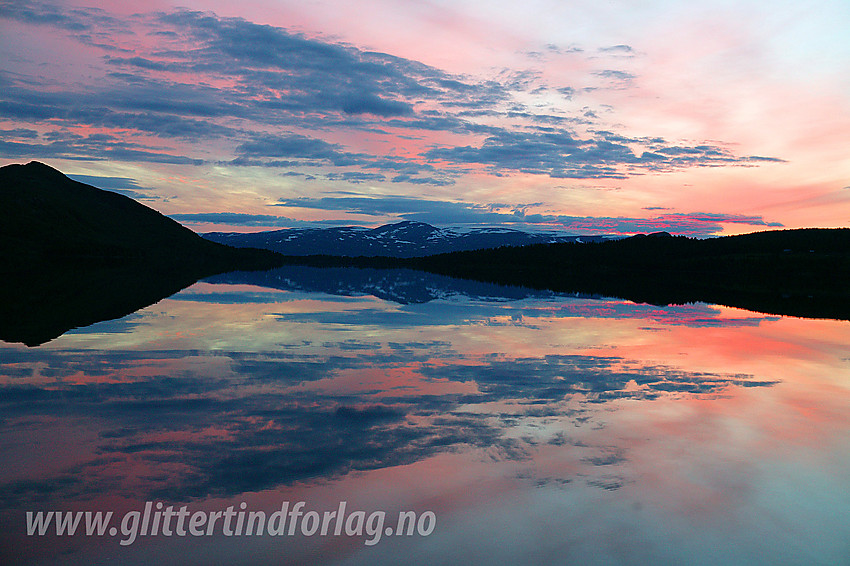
(538, 429)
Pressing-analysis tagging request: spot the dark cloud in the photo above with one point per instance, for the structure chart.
(144, 63)
(617, 49)
(256, 220)
(97, 147)
(423, 180)
(399, 165)
(616, 79)
(444, 123)
(122, 185)
(358, 104)
(617, 75)
(122, 107)
(567, 92)
(19, 133)
(297, 146)
(355, 177)
(710, 217)
(233, 218)
(687, 224)
(317, 75)
(561, 154)
(75, 20)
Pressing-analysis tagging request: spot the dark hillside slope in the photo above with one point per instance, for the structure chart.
(47, 217)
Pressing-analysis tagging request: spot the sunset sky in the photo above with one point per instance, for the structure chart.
(579, 116)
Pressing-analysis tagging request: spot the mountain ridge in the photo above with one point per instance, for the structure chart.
(405, 239)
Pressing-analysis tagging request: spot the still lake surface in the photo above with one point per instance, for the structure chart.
(537, 428)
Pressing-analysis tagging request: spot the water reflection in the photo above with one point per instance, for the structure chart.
(689, 434)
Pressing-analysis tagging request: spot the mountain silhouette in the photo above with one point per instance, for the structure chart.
(402, 239)
(74, 254)
(46, 216)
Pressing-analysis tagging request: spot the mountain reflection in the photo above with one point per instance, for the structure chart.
(41, 305)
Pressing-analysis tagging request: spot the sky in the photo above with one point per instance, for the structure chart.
(585, 117)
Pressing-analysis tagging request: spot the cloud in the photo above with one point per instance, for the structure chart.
(255, 220)
(355, 177)
(297, 146)
(423, 180)
(359, 104)
(404, 207)
(123, 185)
(621, 76)
(317, 75)
(74, 20)
(122, 107)
(252, 81)
(686, 224)
(266, 150)
(93, 147)
(234, 218)
(724, 218)
(618, 49)
(19, 133)
(561, 154)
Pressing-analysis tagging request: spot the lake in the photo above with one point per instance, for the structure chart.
(503, 425)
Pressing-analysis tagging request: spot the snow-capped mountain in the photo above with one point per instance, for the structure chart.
(403, 239)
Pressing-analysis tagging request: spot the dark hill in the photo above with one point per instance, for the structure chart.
(802, 272)
(72, 254)
(47, 217)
